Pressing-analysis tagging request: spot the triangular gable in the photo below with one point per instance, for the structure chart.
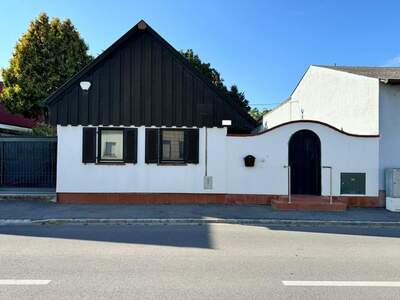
(142, 80)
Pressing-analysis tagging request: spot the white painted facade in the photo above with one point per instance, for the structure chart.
(225, 164)
(389, 124)
(353, 103)
(346, 101)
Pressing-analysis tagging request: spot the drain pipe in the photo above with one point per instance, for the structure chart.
(205, 153)
(207, 181)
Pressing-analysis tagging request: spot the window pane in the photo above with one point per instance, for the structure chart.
(172, 144)
(111, 144)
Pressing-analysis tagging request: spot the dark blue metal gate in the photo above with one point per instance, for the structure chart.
(28, 162)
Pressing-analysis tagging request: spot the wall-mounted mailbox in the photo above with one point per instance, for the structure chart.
(249, 160)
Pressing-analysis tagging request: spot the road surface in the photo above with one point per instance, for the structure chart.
(198, 262)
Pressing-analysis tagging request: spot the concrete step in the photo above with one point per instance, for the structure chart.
(308, 203)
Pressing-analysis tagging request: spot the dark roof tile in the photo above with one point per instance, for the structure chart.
(382, 73)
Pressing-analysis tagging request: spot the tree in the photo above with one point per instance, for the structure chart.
(44, 129)
(239, 96)
(46, 55)
(215, 78)
(204, 68)
(257, 114)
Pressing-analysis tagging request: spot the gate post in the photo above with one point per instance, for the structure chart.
(289, 184)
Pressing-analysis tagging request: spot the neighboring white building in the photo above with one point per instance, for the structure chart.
(357, 100)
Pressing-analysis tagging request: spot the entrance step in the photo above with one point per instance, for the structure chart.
(308, 203)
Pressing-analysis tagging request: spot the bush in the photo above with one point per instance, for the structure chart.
(43, 129)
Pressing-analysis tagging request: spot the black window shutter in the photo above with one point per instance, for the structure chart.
(130, 145)
(89, 145)
(192, 146)
(152, 141)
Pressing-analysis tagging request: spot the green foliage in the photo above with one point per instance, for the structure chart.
(48, 54)
(239, 96)
(216, 79)
(257, 114)
(43, 129)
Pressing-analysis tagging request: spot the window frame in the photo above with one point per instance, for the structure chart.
(99, 135)
(162, 161)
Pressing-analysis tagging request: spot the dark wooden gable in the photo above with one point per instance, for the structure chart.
(142, 80)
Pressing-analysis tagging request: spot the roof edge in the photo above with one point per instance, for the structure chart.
(291, 94)
(337, 68)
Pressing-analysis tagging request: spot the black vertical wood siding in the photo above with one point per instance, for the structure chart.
(143, 81)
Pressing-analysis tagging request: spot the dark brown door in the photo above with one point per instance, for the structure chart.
(305, 163)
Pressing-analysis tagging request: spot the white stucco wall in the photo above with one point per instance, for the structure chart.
(74, 176)
(346, 101)
(389, 123)
(225, 164)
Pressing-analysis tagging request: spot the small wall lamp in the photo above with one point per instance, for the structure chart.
(85, 85)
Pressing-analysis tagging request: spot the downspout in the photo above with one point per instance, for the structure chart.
(205, 153)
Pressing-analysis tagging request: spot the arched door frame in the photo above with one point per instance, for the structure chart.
(304, 158)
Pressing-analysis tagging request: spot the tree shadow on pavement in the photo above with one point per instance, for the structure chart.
(162, 235)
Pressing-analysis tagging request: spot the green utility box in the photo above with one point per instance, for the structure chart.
(352, 183)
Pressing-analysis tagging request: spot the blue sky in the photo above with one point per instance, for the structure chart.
(262, 46)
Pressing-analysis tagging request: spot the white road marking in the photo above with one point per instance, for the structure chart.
(344, 283)
(23, 282)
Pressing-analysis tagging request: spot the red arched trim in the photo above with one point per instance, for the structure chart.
(305, 121)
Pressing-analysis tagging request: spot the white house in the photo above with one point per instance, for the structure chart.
(357, 100)
(140, 125)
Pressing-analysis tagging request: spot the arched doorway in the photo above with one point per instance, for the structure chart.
(305, 163)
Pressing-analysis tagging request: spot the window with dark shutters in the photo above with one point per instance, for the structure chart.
(152, 145)
(172, 146)
(89, 145)
(130, 145)
(192, 146)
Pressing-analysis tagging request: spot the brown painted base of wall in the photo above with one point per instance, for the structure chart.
(382, 198)
(162, 198)
(180, 198)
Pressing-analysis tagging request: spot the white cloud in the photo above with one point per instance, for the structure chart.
(393, 62)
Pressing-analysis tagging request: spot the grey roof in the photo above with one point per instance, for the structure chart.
(386, 74)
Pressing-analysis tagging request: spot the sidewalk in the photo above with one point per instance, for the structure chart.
(15, 212)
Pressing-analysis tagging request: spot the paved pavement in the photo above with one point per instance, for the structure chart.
(47, 210)
(196, 262)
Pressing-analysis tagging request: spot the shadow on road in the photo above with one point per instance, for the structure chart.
(162, 235)
(178, 235)
(391, 232)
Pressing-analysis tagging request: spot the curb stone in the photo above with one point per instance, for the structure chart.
(188, 221)
(44, 198)
(15, 222)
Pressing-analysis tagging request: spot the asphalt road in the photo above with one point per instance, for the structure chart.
(196, 262)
